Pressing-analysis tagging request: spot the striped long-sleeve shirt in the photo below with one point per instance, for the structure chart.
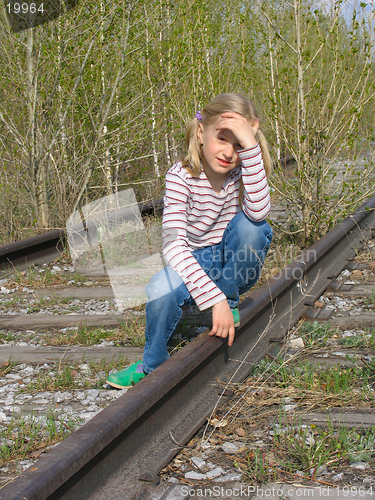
(195, 217)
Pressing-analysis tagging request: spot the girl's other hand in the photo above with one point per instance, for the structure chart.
(243, 131)
(222, 321)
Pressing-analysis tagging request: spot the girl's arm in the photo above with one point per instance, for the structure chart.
(256, 191)
(175, 244)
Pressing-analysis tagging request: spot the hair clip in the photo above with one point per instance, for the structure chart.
(198, 116)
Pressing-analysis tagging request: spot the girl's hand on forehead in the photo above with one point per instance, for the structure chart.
(240, 127)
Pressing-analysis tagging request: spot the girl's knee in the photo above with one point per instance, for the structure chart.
(166, 290)
(163, 283)
(256, 235)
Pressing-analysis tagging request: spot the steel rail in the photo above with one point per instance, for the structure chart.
(46, 246)
(33, 250)
(137, 434)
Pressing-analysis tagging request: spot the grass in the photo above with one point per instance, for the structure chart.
(31, 278)
(7, 367)
(63, 379)
(25, 434)
(302, 449)
(8, 336)
(359, 340)
(129, 334)
(293, 448)
(304, 376)
(316, 335)
(70, 377)
(370, 301)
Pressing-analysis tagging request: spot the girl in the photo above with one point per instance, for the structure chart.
(215, 238)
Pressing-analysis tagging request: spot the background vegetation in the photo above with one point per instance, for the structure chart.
(97, 101)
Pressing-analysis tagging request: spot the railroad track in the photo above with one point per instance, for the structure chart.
(46, 246)
(137, 435)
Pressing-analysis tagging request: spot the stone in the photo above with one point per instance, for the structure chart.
(357, 273)
(212, 474)
(173, 480)
(198, 462)
(360, 465)
(310, 440)
(93, 393)
(337, 477)
(229, 448)
(289, 407)
(296, 343)
(241, 432)
(13, 376)
(58, 397)
(197, 476)
(87, 415)
(234, 476)
(25, 464)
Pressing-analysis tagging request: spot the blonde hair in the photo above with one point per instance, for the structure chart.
(223, 103)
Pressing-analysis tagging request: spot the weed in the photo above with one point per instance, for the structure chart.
(315, 333)
(297, 447)
(62, 380)
(370, 301)
(305, 377)
(26, 433)
(257, 465)
(69, 377)
(102, 368)
(12, 303)
(7, 336)
(133, 332)
(34, 309)
(360, 339)
(7, 367)
(66, 300)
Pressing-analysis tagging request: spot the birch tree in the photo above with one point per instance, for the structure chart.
(321, 81)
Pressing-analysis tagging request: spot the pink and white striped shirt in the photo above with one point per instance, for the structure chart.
(195, 217)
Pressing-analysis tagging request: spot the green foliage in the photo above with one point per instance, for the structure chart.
(101, 98)
(26, 433)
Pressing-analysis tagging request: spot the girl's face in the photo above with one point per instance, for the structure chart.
(220, 148)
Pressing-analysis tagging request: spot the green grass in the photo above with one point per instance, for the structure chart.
(61, 380)
(304, 376)
(8, 336)
(7, 367)
(69, 377)
(129, 334)
(32, 278)
(316, 334)
(304, 448)
(370, 301)
(25, 434)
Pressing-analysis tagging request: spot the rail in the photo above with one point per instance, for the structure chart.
(138, 434)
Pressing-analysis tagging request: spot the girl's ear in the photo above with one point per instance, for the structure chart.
(255, 125)
(200, 133)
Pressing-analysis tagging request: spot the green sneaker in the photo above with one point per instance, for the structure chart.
(236, 316)
(127, 377)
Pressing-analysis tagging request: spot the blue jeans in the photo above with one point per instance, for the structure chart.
(234, 265)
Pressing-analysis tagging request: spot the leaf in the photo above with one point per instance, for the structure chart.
(215, 422)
